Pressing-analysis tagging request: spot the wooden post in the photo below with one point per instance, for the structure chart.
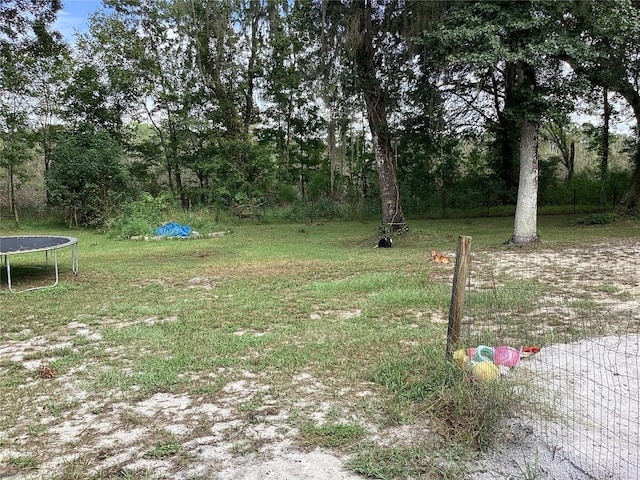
(463, 257)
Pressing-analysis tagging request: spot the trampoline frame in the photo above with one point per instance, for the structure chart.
(25, 248)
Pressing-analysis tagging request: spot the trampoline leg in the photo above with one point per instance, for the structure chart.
(8, 266)
(55, 261)
(75, 263)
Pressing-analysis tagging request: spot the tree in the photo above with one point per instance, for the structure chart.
(15, 149)
(15, 145)
(562, 135)
(49, 76)
(25, 39)
(87, 176)
(368, 63)
(24, 26)
(111, 72)
(602, 45)
(365, 35)
(525, 223)
(507, 41)
(291, 119)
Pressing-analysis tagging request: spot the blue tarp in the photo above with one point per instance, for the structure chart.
(172, 229)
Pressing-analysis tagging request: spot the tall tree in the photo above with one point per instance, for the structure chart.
(368, 62)
(602, 41)
(25, 38)
(365, 35)
(288, 87)
(87, 175)
(509, 37)
(15, 149)
(49, 77)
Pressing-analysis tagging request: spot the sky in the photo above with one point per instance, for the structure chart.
(74, 17)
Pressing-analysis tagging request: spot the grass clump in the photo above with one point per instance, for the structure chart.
(409, 462)
(474, 414)
(465, 412)
(418, 377)
(163, 450)
(332, 435)
(24, 462)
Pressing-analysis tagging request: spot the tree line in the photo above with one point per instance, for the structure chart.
(241, 103)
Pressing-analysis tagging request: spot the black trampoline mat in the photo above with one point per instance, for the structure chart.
(33, 243)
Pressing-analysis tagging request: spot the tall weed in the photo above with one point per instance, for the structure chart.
(143, 215)
(468, 413)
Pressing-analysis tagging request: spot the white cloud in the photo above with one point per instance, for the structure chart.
(74, 17)
(68, 25)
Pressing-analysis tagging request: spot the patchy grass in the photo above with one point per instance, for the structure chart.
(167, 355)
(27, 462)
(331, 435)
(419, 460)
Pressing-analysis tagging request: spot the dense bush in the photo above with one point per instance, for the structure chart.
(143, 215)
(87, 177)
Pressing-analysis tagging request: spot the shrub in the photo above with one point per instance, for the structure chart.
(143, 215)
(87, 176)
(596, 219)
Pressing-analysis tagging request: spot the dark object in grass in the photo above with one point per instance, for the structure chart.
(385, 242)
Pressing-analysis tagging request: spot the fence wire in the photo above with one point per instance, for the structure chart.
(581, 308)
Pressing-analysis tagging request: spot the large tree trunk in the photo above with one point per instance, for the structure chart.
(392, 216)
(526, 220)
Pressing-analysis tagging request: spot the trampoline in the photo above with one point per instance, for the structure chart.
(38, 243)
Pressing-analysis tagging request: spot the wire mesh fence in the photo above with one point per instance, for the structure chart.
(581, 308)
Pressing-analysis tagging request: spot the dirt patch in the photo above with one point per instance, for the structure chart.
(246, 431)
(591, 384)
(593, 290)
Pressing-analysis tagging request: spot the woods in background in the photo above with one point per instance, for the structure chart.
(387, 107)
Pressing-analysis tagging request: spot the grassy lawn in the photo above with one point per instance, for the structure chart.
(306, 327)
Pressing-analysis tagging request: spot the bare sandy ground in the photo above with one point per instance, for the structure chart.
(592, 385)
(594, 389)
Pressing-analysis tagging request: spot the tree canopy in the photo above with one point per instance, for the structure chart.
(395, 106)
